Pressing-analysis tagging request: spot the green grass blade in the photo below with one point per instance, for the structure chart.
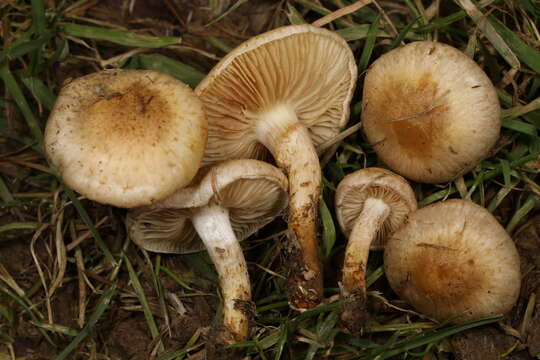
(175, 68)
(487, 176)
(40, 91)
(422, 340)
(526, 54)
(227, 12)
(369, 45)
(329, 229)
(520, 126)
(294, 16)
(17, 50)
(505, 167)
(358, 32)
(28, 307)
(442, 22)
(121, 37)
(88, 222)
(38, 16)
(102, 305)
(142, 299)
(520, 213)
(17, 94)
(402, 34)
(20, 226)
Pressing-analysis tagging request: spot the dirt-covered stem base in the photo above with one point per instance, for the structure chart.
(290, 143)
(353, 282)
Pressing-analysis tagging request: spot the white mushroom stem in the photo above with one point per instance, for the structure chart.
(214, 228)
(290, 144)
(353, 282)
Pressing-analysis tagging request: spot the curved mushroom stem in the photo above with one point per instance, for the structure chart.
(290, 144)
(214, 228)
(353, 282)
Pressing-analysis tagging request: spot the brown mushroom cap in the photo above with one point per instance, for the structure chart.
(306, 69)
(126, 137)
(453, 261)
(430, 112)
(375, 183)
(254, 193)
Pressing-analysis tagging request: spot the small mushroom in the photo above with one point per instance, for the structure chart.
(284, 91)
(227, 203)
(429, 111)
(371, 203)
(453, 261)
(126, 137)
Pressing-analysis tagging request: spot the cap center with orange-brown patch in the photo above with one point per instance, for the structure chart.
(443, 274)
(136, 113)
(412, 114)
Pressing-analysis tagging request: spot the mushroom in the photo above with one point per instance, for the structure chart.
(126, 137)
(453, 261)
(429, 111)
(227, 203)
(284, 91)
(371, 203)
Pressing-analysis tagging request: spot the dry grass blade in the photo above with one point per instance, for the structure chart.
(36, 236)
(61, 256)
(8, 279)
(521, 110)
(341, 12)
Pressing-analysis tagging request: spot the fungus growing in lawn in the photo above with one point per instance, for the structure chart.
(429, 111)
(284, 91)
(453, 261)
(371, 203)
(126, 137)
(227, 203)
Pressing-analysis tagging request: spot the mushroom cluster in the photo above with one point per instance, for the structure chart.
(284, 91)
(138, 139)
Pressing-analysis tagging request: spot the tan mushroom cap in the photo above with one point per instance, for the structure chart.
(375, 183)
(254, 193)
(305, 69)
(126, 137)
(430, 112)
(454, 261)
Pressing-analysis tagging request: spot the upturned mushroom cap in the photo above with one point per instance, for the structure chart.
(454, 261)
(374, 183)
(254, 193)
(126, 137)
(303, 68)
(430, 112)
